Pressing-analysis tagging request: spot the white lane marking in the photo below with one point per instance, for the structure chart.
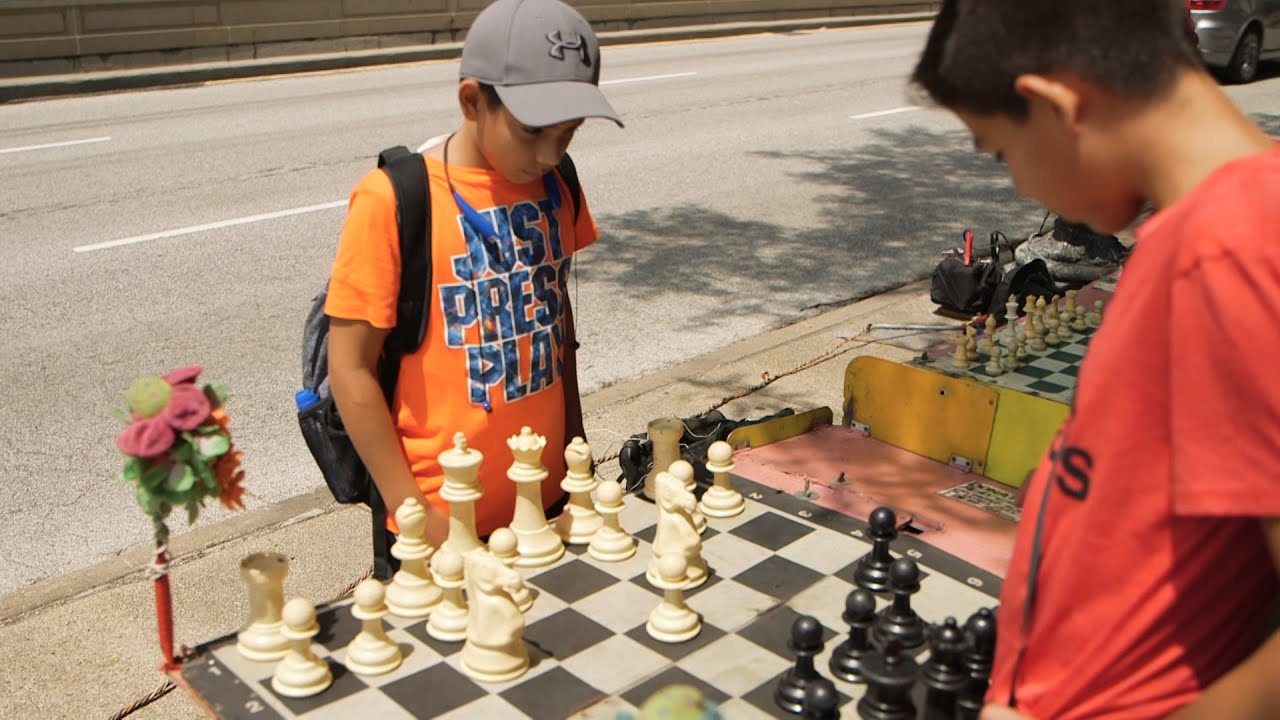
(882, 113)
(45, 146)
(209, 226)
(647, 78)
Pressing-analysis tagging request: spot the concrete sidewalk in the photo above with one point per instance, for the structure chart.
(43, 86)
(85, 645)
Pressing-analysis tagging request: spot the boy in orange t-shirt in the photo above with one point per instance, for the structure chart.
(1144, 572)
(499, 351)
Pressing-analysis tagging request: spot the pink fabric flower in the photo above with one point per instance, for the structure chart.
(188, 407)
(146, 438)
(183, 375)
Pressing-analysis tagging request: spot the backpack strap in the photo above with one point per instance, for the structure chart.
(569, 173)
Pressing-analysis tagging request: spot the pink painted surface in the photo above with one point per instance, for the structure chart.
(878, 474)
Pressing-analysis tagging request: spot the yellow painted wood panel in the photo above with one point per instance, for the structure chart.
(1024, 428)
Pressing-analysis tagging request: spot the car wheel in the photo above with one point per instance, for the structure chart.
(1244, 63)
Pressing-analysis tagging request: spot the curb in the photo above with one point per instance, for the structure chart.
(30, 88)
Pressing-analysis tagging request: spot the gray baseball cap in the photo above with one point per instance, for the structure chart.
(543, 59)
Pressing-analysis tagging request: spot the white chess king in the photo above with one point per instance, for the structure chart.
(461, 489)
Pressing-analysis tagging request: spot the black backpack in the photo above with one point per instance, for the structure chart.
(318, 416)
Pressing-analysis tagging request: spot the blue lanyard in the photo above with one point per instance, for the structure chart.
(481, 225)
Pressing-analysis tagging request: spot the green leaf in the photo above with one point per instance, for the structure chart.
(205, 475)
(150, 503)
(216, 392)
(212, 446)
(209, 429)
(193, 511)
(122, 415)
(181, 478)
(154, 478)
(132, 471)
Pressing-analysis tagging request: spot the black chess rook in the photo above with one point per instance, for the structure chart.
(890, 676)
(859, 615)
(805, 642)
(898, 620)
(943, 674)
(872, 572)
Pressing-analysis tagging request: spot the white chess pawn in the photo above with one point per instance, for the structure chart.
(1071, 303)
(537, 543)
(971, 342)
(611, 543)
(960, 359)
(300, 673)
(495, 650)
(502, 543)
(371, 652)
(675, 533)
(988, 335)
(1078, 323)
(721, 500)
(672, 621)
(683, 471)
(461, 489)
(1010, 361)
(579, 521)
(1097, 312)
(261, 639)
(448, 621)
(993, 365)
(412, 594)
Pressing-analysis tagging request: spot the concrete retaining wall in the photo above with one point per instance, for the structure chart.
(40, 37)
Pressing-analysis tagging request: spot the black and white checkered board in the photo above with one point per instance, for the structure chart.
(782, 557)
(1049, 373)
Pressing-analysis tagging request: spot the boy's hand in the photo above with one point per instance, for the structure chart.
(1000, 712)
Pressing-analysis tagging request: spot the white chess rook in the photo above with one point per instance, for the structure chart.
(261, 639)
(502, 543)
(611, 543)
(448, 621)
(665, 434)
(537, 543)
(672, 621)
(682, 470)
(371, 652)
(675, 533)
(461, 489)
(721, 500)
(412, 594)
(301, 673)
(579, 521)
(495, 650)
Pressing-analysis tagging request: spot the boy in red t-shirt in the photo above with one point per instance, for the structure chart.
(500, 350)
(1144, 573)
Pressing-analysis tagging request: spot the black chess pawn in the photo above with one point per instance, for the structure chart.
(821, 701)
(980, 639)
(872, 572)
(890, 677)
(943, 675)
(898, 620)
(860, 615)
(805, 642)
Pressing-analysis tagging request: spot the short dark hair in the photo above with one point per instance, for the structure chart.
(491, 98)
(978, 48)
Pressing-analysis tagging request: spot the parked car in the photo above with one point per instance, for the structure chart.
(1235, 35)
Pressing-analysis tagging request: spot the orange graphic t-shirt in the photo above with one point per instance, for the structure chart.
(495, 332)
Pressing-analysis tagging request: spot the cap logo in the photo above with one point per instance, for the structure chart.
(559, 45)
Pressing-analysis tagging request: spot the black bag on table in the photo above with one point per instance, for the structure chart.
(967, 288)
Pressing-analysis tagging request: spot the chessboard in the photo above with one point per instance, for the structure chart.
(781, 560)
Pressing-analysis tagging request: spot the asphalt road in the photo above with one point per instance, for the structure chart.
(758, 180)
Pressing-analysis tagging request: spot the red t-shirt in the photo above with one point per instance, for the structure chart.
(1154, 577)
(496, 328)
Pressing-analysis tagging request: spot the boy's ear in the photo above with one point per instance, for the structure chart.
(1063, 97)
(469, 98)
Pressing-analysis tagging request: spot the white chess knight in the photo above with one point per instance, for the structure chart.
(461, 489)
(494, 650)
(412, 594)
(537, 543)
(683, 471)
(675, 533)
(371, 652)
(721, 500)
(261, 639)
(611, 543)
(502, 543)
(579, 521)
(300, 673)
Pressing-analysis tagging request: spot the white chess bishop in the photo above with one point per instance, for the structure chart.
(675, 533)
(721, 500)
(537, 543)
(371, 652)
(301, 673)
(579, 521)
(494, 650)
(412, 594)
